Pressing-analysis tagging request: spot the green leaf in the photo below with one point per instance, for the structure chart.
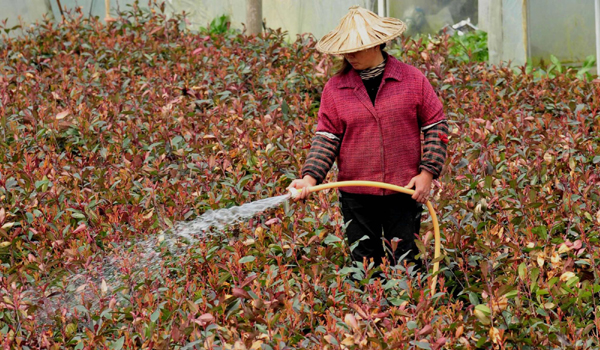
(540, 231)
(484, 308)
(285, 109)
(533, 275)
(118, 344)
(522, 270)
(355, 244)
(247, 259)
(155, 315)
(488, 181)
(473, 298)
(331, 238)
(481, 342)
(78, 215)
(572, 281)
(438, 259)
(421, 344)
(556, 62)
(396, 301)
(596, 159)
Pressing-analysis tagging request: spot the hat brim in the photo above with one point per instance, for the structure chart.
(359, 30)
(321, 49)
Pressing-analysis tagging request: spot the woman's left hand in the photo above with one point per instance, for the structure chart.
(422, 185)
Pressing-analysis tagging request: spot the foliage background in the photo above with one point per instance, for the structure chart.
(112, 133)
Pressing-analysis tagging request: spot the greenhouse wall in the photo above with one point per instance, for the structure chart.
(507, 31)
(531, 30)
(315, 16)
(561, 28)
(514, 31)
(24, 12)
(429, 17)
(294, 16)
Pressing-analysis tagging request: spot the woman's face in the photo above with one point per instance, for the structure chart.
(364, 59)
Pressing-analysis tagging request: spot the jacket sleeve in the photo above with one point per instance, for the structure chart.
(326, 142)
(430, 110)
(435, 148)
(329, 119)
(433, 123)
(323, 150)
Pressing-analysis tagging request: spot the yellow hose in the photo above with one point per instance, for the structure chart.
(436, 228)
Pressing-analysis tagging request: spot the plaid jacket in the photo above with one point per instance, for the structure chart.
(379, 142)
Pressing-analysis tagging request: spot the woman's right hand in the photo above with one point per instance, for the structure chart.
(304, 186)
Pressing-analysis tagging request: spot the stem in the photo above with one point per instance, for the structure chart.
(60, 9)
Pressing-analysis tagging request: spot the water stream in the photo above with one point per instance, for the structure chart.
(106, 278)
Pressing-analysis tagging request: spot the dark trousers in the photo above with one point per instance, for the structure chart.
(379, 218)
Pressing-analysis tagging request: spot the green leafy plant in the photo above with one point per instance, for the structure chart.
(556, 68)
(218, 26)
(472, 46)
(588, 65)
(111, 134)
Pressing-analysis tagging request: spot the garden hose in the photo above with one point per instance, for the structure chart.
(436, 228)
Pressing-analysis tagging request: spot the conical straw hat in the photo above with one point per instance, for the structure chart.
(360, 29)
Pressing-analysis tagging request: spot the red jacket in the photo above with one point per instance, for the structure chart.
(381, 142)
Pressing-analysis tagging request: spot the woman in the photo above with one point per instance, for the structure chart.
(371, 115)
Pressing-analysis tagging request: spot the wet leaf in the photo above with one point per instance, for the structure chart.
(62, 114)
(246, 259)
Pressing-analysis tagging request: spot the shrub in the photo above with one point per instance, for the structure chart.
(113, 133)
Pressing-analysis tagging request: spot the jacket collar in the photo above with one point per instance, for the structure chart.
(393, 70)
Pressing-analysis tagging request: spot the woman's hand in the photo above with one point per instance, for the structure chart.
(422, 185)
(304, 186)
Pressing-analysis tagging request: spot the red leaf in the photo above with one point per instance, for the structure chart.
(80, 228)
(426, 330)
(204, 319)
(248, 280)
(439, 343)
(272, 221)
(240, 293)
(62, 114)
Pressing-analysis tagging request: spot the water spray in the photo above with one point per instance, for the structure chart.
(436, 229)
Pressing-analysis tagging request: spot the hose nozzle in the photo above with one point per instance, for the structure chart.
(293, 192)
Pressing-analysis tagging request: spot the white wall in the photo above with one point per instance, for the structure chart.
(522, 30)
(294, 16)
(507, 34)
(564, 29)
(483, 14)
(23, 11)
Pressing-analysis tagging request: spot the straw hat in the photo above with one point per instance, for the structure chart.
(360, 29)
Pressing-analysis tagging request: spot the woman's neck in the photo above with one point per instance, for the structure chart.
(373, 72)
(376, 61)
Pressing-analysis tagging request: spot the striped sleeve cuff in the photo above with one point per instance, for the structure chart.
(435, 148)
(323, 150)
